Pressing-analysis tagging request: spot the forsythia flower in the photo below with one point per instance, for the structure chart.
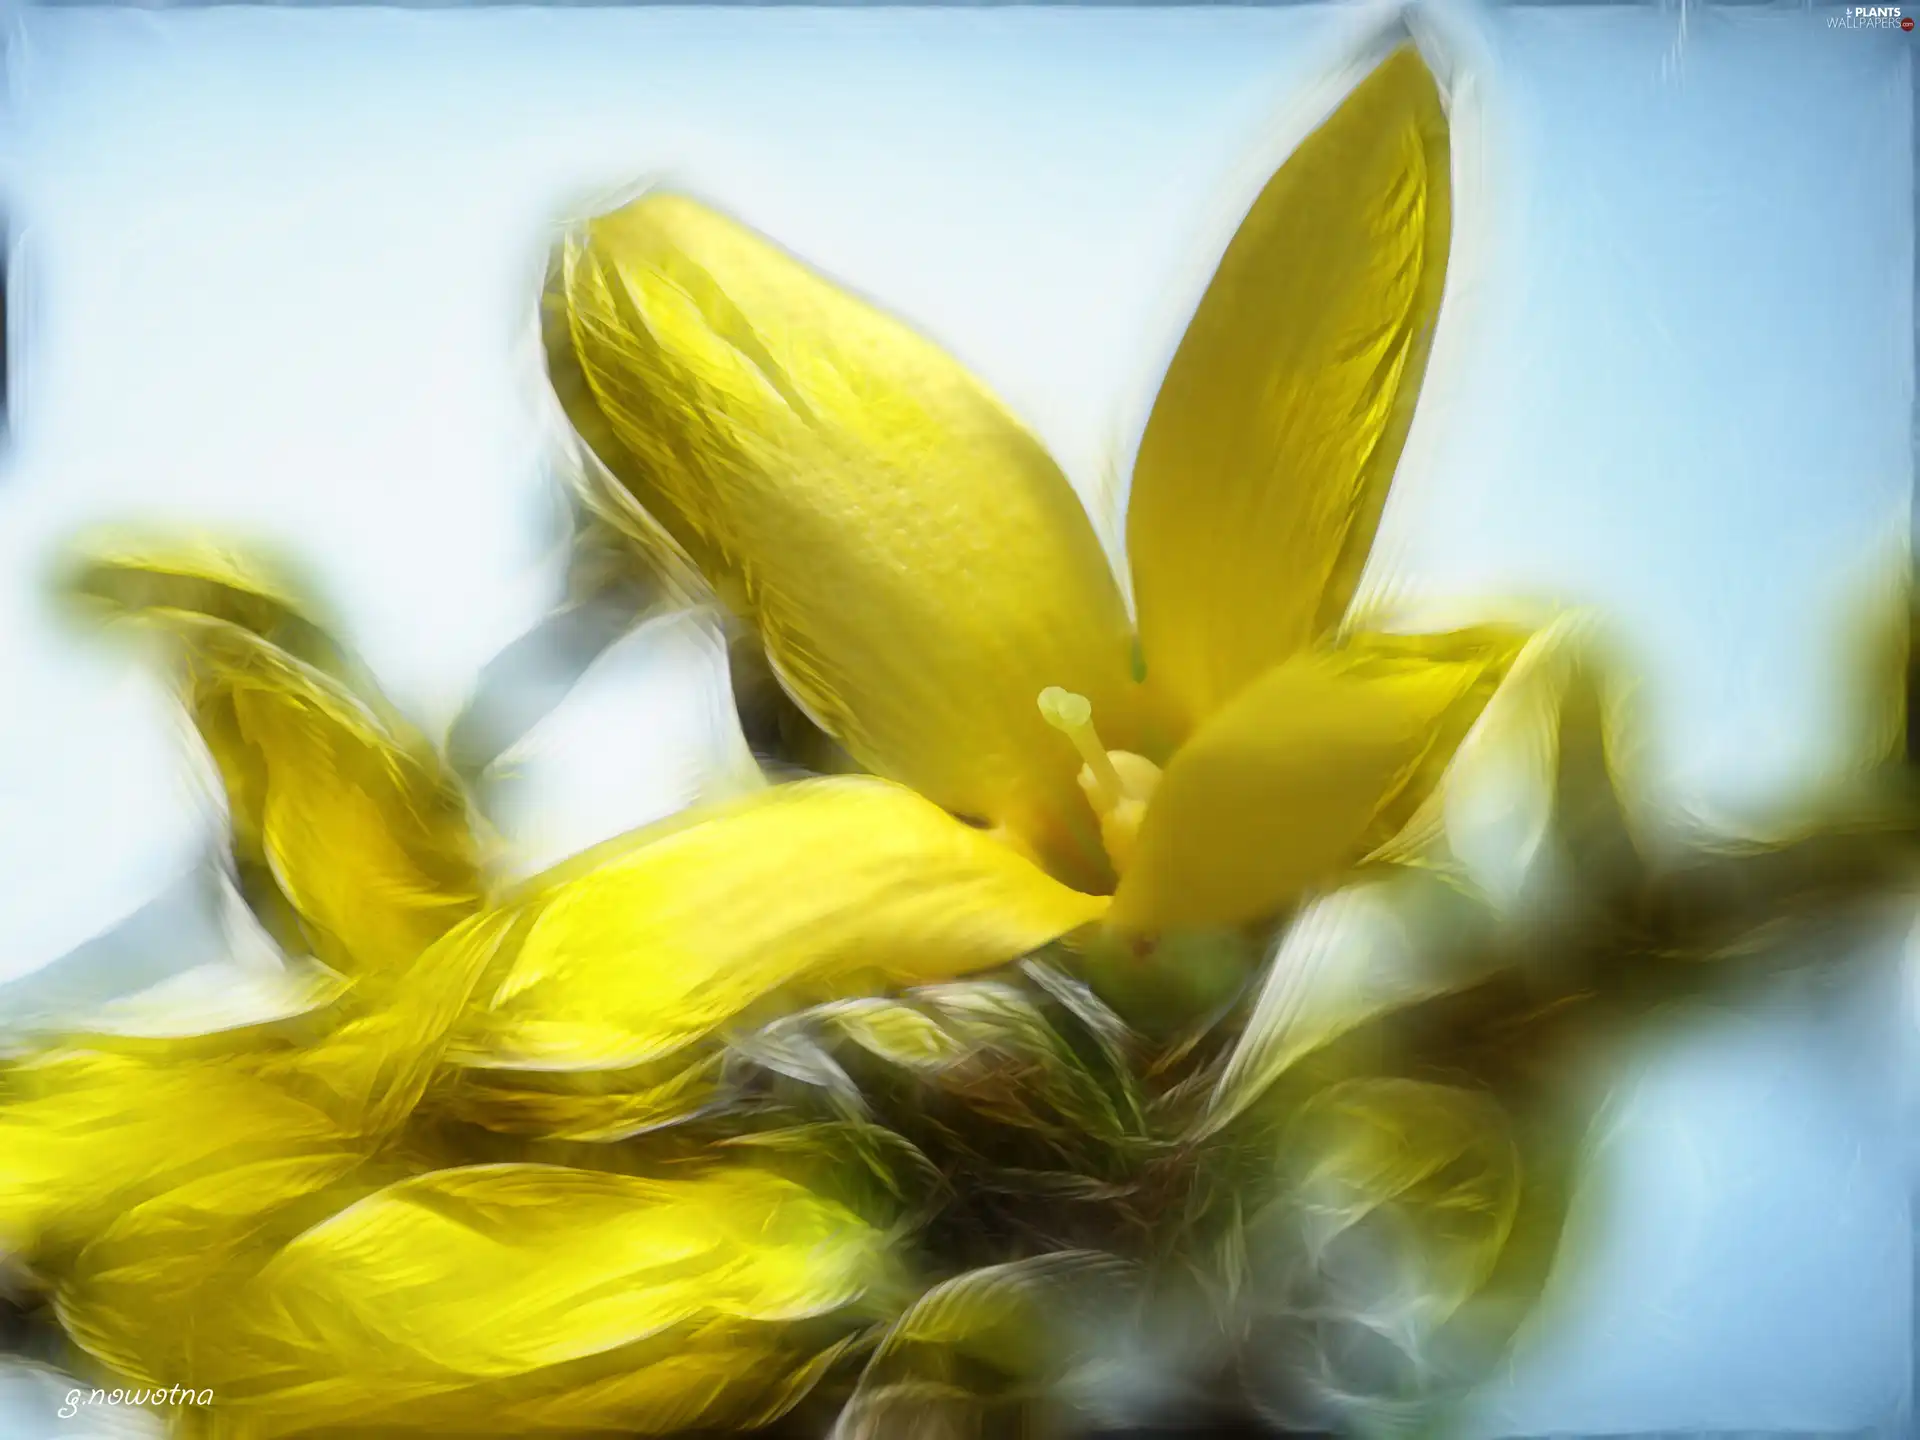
(932, 594)
(502, 1299)
(250, 1211)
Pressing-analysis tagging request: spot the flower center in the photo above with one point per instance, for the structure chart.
(1117, 783)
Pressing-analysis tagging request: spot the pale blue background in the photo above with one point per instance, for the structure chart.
(276, 270)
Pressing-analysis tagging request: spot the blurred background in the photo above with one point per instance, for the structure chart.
(274, 270)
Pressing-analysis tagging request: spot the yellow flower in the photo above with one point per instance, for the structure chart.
(490, 1299)
(932, 594)
(929, 590)
(345, 826)
(352, 842)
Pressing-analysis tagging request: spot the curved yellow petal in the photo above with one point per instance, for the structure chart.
(1539, 806)
(340, 814)
(1270, 449)
(371, 1069)
(133, 573)
(488, 1299)
(585, 1104)
(461, 1282)
(1305, 771)
(918, 566)
(1486, 655)
(183, 1252)
(824, 886)
(84, 1134)
(365, 834)
(395, 1278)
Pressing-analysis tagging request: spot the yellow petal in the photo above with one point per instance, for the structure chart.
(550, 1244)
(364, 832)
(994, 1050)
(371, 1069)
(918, 566)
(339, 812)
(707, 1383)
(1302, 774)
(131, 574)
(1366, 950)
(694, 1381)
(1268, 455)
(493, 1299)
(1415, 815)
(183, 1252)
(84, 1134)
(897, 1033)
(826, 885)
(583, 1105)
(1536, 808)
(459, 1280)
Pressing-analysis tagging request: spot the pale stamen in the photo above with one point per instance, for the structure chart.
(1072, 716)
(1117, 783)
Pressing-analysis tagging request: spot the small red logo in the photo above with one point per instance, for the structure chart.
(1907, 23)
